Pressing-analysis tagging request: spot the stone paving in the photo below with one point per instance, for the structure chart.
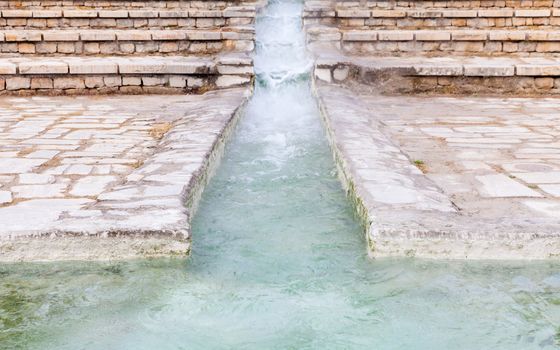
(457, 177)
(76, 170)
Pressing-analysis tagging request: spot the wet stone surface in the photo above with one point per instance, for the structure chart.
(96, 166)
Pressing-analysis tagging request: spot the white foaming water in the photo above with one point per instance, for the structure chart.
(281, 55)
(278, 260)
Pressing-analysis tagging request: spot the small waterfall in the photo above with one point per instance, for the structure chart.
(278, 260)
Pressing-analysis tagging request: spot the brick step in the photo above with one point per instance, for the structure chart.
(403, 18)
(125, 42)
(439, 42)
(148, 74)
(129, 4)
(152, 18)
(526, 75)
(442, 4)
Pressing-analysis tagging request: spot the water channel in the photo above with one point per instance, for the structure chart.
(278, 259)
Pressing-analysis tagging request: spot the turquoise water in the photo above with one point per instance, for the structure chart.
(278, 260)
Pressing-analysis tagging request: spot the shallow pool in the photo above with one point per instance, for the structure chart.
(278, 259)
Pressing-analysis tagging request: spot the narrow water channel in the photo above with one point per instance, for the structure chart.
(278, 260)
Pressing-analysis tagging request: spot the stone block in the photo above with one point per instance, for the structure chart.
(41, 83)
(168, 35)
(459, 13)
(437, 70)
(353, 13)
(508, 35)
(323, 74)
(532, 13)
(496, 13)
(134, 35)
(203, 35)
(341, 73)
(132, 81)
(227, 69)
(113, 81)
(499, 185)
(91, 48)
(80, 13)
(26, 48)
(469, 35)
(7, 68)
(65, 48)
(93, 82)
(113, 14)
(167, 47)
(26, 36)
(69, 83)
(548, 47)
(231, 80)
(17, 13)
(154, 81)
(18, 83)
(45, 47)
(434, 35)
(61, 35)
(544, 83)
(47, 13)
(127, 47)
(43, 67)
(537, 70)
(143, 14)
(194, 82)
(396, 35)
(97, 35)
(178, 81)
(98, 66)
(489, 71)
(359, 35)
(388, 13)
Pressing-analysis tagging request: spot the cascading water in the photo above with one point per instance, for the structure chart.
(278, 259)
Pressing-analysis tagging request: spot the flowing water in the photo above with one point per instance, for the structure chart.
(278, 259)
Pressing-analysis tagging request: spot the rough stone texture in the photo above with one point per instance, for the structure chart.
(83, 75)
(449, 177)
(450, 75)
(68, 16)
(103, 178)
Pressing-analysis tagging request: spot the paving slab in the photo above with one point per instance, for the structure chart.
(107, 177)
(441, 177)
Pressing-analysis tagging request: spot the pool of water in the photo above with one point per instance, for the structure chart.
(278, 259)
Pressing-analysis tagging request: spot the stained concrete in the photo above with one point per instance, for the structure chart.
(449, 177)
(107, 177)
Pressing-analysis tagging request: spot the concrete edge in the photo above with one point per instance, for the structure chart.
(434, 234)
(112, 243)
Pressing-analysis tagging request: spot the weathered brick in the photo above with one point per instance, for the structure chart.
(17, 83)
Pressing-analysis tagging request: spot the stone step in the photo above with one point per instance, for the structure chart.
(443, 4)
(435, 18)
(147, 74)
(124, 18)
(128, 4)
(439, 42)
(125, 42)
(444, 74)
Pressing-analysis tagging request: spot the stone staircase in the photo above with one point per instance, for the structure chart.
(116, 46)
(421, 31)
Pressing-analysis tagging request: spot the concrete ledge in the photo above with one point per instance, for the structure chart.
(65, 42)
(437, 42)
(404, 213)
(444, 74)
(148, 211)
(130, 75)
